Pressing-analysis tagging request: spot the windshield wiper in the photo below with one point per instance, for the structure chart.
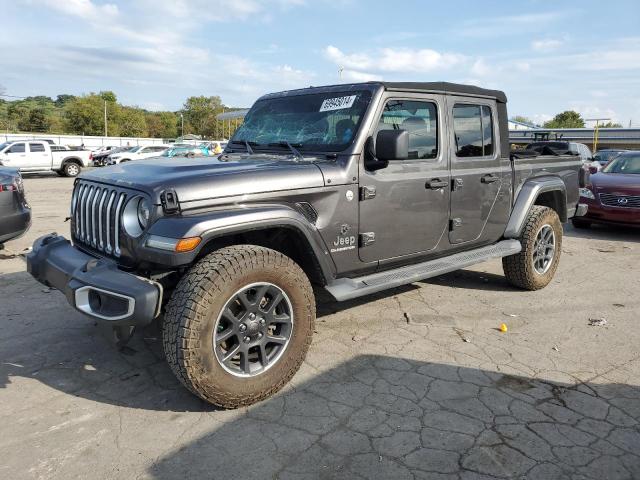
(291, 147)
(246, 143)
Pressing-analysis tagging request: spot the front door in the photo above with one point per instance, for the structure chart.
(476, 171)
(16, 156)
(404, 208)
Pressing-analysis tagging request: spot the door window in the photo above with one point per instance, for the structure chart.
(16, 148)
(473, 130)
(417, 118)
(36, 147)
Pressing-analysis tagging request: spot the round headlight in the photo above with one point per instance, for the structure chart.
(144, 212)
(136, 216)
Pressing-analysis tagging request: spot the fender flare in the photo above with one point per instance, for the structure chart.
(77, 160)
(530, 191)
(244, 218)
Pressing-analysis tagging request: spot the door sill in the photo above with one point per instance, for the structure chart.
(348, 288)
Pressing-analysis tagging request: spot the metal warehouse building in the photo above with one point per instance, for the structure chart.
(628, 138)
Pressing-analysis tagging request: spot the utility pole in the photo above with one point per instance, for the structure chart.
(596, 130)
(340, 69)
(182, 122)
(105, 118)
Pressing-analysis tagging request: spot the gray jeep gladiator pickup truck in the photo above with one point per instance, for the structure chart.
(353, 188)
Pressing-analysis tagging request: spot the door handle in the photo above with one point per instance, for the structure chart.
(490, 178)
(436, 183)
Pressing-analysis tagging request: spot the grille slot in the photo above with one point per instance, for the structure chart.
(622, 201)
(97, 216)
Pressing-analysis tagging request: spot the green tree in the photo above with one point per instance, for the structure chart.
(566, 119)
(131, 122)
(108, 96)
(39, 120)
(85, 115)
(161, 124)
(200, 113)
(610, 125)
(61, 100)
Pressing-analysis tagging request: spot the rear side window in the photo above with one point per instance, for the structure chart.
(16, 148)
(419, 119)
(473, 130)
(36, 147)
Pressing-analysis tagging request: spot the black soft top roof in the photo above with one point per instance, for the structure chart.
(431, 87)
(444, 87)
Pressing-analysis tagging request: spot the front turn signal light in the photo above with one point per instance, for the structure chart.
(187, 244)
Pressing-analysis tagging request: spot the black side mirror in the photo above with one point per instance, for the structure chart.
(371, 163)
(392, 145)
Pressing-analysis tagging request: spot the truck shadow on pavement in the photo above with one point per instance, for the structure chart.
(371, 416)
(383, 417)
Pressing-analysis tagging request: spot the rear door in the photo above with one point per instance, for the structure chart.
(39, 155)
(404, 208)
(476, 172)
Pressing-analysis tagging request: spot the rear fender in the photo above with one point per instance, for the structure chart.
(529, 193)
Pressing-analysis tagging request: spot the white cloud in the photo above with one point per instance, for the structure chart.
(394, 60)
(354, 76)
(480, 68)
(84, 9)
(546, 45)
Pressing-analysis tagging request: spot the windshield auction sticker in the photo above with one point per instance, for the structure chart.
(337, 103)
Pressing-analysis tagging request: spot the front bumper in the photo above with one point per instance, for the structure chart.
(622, 216)
(93, 286)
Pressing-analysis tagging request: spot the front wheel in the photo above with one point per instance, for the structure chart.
(239, 324)
(541, 238)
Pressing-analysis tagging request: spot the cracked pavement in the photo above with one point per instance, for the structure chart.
(413, 383)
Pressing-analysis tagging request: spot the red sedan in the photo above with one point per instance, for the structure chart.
(613, 195)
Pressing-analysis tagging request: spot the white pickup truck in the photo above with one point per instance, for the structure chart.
(39, 156)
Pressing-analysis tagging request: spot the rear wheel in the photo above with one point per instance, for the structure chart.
(71, 169)
(541, 238)
(239, 324)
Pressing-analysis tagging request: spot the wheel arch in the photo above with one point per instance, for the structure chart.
(547, 191)
(76, 160)
(280, 228)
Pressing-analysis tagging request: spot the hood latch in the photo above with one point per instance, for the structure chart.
(169, 200)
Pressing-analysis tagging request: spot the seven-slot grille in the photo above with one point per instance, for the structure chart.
(625, 201)
(97, 216)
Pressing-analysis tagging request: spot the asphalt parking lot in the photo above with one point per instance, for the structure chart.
(417, 382)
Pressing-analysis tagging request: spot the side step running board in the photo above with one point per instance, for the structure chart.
(348, 288)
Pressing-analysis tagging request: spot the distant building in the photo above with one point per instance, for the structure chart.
(628, 138)
(515, 125)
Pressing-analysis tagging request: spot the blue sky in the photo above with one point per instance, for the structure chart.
(547, 56)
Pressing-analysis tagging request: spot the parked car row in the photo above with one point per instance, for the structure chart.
(41, 156)
(15, 213)
(613, 194)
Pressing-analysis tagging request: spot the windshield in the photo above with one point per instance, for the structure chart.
(318, 121)
(604, 157)
(3, 145)
(625, 163)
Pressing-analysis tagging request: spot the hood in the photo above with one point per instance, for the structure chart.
(200, 178)
(617, 183)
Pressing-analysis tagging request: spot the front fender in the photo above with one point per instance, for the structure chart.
(243, 218)
(530, 191)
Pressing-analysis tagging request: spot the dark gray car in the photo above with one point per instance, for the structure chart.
(15, 213)
(352, 188)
